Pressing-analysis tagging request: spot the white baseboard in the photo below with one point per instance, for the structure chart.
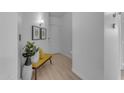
(70, 56)
(81, 77)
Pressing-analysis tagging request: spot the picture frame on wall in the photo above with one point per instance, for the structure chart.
(36, 33)
(43, 33)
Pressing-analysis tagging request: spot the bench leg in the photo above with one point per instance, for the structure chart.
(50, 61)
(35, 74)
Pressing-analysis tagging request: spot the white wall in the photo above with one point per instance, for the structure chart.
(122, 41)
(8, 46)
(25, 22)
(54, 41)
(61, 33)
(111, 49)
(66, 34)
(88, 45)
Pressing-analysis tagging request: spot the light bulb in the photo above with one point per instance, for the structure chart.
(41, 22)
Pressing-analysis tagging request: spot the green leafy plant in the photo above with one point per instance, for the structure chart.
(29, 50)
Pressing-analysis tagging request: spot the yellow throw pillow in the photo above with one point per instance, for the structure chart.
(41, 53)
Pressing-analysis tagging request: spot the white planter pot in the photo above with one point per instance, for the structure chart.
(35, 58)
(27, 72)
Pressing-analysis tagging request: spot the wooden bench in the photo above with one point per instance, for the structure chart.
(35, 66)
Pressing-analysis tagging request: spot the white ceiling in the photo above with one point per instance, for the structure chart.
(58, 14)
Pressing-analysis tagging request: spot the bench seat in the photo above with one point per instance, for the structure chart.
(42, 59)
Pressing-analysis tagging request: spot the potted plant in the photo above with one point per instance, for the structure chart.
(29, 50)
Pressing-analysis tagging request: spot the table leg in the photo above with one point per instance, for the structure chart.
(50, 61)
(35, 74)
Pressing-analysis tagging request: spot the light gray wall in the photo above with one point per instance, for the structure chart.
(25, 22)
(55, 28)
(8, 46)
(61, 33)
(88, 45)
(122, 41)
(111, 48)
(66, 34)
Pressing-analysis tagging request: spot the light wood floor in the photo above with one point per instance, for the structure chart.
(61, 69)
